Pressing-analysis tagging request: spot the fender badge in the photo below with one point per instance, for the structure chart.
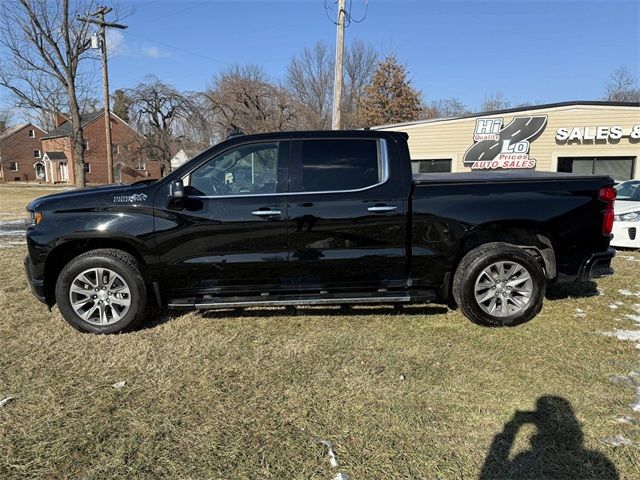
(135, 198)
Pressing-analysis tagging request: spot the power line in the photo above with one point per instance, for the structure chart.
(178, 48)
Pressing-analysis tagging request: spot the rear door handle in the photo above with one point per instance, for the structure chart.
(382, 208)
(266, 213)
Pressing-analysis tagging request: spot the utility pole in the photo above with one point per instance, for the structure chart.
(100, 13)
(336, 120)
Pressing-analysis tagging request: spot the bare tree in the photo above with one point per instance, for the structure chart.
(6, 117)
(622, 87)
(46, 44)
(159, 111)
(243, 98)
(446, 108)
(310, 81)
(360, 63)
(494, 102)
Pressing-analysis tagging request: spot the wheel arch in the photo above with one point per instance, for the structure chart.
(530, 236)
(64, 252)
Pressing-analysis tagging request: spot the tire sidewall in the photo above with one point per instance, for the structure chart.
(130, 276)
(511, 255)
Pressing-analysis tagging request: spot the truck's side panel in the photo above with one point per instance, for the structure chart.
(451, 218)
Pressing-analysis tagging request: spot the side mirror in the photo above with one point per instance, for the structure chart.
(176, 195)
(176, 190)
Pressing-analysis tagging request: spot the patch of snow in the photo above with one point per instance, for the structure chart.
(629, 293)
(635, 406)
(617, 441)
(627, 380)
(635, 318)
(626, 419)
(613, 306)
(633, 335)
(119, 384)
(333, 460)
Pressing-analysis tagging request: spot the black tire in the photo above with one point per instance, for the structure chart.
(124, 265)
(471, 267)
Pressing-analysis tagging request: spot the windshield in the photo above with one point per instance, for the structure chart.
(628, 190)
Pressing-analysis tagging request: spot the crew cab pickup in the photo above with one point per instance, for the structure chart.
(309, 218)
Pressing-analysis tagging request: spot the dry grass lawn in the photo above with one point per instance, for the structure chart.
(14, 198)
(248, 394)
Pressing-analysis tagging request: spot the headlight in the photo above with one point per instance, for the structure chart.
(628, 217)
(34, 218)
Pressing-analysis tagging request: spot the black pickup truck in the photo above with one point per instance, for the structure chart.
(315, 218)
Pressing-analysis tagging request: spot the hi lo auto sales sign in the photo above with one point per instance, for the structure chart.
(499, 146)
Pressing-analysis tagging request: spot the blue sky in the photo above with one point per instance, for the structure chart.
(535, 51)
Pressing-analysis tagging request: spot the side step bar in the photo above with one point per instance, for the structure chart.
(207, 303)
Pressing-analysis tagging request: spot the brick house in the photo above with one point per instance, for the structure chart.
(20, 152)
(129, 163)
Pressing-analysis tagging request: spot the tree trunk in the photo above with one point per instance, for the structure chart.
(77, 140)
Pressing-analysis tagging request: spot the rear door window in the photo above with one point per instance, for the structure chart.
(329, 165)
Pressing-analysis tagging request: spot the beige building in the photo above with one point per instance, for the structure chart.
(576, 137)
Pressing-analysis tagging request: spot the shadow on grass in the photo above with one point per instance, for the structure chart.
(560, 291)
(324, 311)
(556, 449)
(166, 316)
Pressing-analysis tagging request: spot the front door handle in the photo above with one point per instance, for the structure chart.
(266, 213)
(382, 208)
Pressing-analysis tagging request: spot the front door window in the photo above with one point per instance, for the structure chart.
(246, 170)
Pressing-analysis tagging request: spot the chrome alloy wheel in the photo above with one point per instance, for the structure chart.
(503, 289)
(100, 296)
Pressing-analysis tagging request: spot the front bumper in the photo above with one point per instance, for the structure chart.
(37, 286)
(626, 234)
(597, 265)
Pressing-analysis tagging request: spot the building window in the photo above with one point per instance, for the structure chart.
(13, 166)
(87, 168)
(431, 166)
(86, 145)
(618, 168)
(116, 149)
(36, 154)
(32, 133)
(140, 165)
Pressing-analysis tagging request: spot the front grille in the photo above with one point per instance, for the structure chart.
(632, 233)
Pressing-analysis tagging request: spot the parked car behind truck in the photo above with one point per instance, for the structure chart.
(309, 218)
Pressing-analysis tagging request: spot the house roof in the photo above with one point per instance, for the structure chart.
(65, 130)
(187, 152)
(587, 103)
(10, 131)
(55, 156)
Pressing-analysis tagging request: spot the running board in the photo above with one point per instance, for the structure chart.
(206, 303)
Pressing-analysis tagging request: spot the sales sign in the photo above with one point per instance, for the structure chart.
(504, 147)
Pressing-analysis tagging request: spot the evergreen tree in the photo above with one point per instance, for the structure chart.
(389, 98)
(121, 104)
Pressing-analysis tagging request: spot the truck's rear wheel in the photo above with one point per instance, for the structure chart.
(499, 285)
(102, 291)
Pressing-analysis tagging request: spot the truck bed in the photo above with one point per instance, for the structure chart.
(495, 177)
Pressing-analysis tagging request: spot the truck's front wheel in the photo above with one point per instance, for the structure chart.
(498, 284)
(102, 291)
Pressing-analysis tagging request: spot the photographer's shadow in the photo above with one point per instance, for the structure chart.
(556, 449)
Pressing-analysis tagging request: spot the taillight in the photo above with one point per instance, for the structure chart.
(607, 194)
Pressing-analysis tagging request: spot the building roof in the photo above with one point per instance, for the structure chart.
(10, 131)
(55, 156)
(66, 130)
(574, 103)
